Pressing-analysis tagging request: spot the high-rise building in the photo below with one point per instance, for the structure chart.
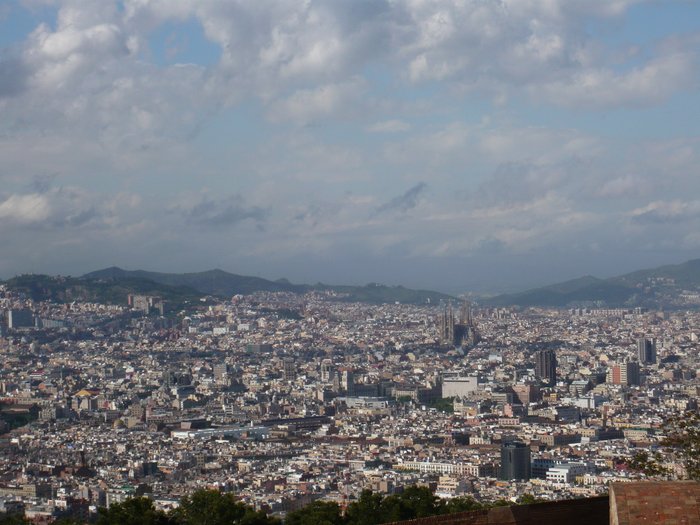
(515, 461)
(20, 318)
(626, 374)
(546, 366)
(289, 369)
(347, 381)
(646, 351)
(327, 371)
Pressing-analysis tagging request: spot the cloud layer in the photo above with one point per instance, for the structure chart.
(408, 131)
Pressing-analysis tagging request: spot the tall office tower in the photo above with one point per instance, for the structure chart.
(629, 373)
(546, 366)
(515, 461)
(327, 371)
(20, 318)
(347, 381)
(646, 351)
(289, 369)
(626, 374)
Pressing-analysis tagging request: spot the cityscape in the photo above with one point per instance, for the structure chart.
(285, 399)
(349, 262)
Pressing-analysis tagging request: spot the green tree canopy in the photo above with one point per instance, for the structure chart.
(316, 513)
(133, 511)
(462, 504)
(367, 510)
(528, 499)
(414, 502)
(211, 507)
(682, 443)
(13, 519)
(683, 439)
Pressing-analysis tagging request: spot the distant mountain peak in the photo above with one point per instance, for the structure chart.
(639, 288)
(221, 283)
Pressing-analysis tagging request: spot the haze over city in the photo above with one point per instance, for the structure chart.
(485, 146)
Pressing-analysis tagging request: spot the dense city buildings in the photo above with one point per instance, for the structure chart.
(284, 399)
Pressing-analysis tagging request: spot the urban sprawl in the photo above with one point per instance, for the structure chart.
(284, 399)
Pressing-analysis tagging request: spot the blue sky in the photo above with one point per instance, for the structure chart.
(458, 145)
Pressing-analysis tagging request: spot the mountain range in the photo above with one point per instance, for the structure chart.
(220, 283)
(669, 286)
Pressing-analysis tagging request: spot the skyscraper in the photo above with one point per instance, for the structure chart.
(347, 381)
(515, 461)
(646, 351)
(546, 366)
(289, 369)
(327, 371)
(626, 373)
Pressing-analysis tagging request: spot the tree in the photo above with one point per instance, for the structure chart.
(13, 519)
(133, 511)
(682, 442)
(211, 507)
(462, 504)
(528, 499)
(647, 464)
(421, 502)
(414, 502)
(367, 510)
(68, 521)
(683, 439)
(316, 513)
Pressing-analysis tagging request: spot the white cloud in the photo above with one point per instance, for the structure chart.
(602, 87)
(87, 102)
(624, 186)
(25, 209)
(659, 212)
(328, 100)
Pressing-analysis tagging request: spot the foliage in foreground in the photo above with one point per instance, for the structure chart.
(682, 443)
(211, 507)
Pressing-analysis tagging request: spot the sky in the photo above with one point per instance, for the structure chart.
(457, 145)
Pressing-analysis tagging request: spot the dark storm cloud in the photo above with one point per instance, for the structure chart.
(405, 202)
(228, 211)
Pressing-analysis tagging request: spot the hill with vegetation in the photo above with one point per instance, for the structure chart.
(224, 284)
(660, 287)
(67, 289)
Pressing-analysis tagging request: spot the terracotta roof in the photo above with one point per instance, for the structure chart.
(660, 503)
